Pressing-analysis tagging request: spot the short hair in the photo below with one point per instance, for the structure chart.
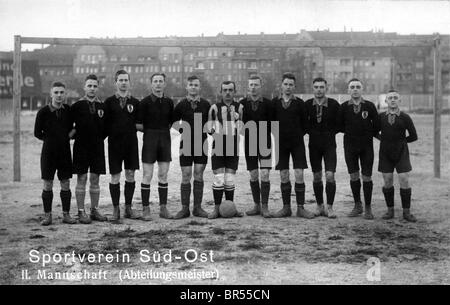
(192, 78)
(227, 82)
(58, 84)
(393, 90)
(119, 72)
(92, 77)
(255, 77)
(354, 80)
(157, 74)
(319, 80)
(288, 75)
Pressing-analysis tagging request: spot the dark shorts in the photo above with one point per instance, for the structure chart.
(89, 158)
(157, 146)
(123, 150)
(255, 162)
(397, 158)
(189, 160)
(230, 162)
(327, 153)
(50, 163)
(298, 156)
(359, 154)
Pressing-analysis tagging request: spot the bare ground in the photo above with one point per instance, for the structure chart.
(249, 250)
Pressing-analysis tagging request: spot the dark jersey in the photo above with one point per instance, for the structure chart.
(89, 120)
(322, 121)
(292, 120)
(120, 122)
(53, 128)
(358, 123)
(155, 112)
(185, 110)
(393, 132)
(257, 111)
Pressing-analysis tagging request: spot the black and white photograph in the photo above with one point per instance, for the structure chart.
(222, 142)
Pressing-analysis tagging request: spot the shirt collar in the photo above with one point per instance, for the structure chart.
(353, 103)
(53, 108)
(396, 111)
(127, 96)
(292, 97)
(325, 103)
(155, 98)
(259, 99)
(95, 99)
(190, 99)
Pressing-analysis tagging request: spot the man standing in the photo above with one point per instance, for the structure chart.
(358, 120)
(256, 117)
(225, 118)
(155, 117)
(290, 112)
(322, 113)
(192, 112)
(52, 126)
(120, 125)
(88, 115)
(394, 153)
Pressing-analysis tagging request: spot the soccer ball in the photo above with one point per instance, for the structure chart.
(227, 209)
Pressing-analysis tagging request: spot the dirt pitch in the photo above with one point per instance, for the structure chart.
(249, 250)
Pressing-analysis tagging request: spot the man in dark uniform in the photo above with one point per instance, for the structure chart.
(120, 126)
(225, 119)
(52, 126)
(155, 116)
(322, 113)
(394, 154)
(256, 118)
(290, 112)
(88, 115)
(358, 120)
(191, 114)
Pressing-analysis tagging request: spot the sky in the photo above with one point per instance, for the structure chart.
(160, 18)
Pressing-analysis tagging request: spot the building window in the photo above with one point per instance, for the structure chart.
(419, 64)
(419, 76)
(163, 69)
(212, 66)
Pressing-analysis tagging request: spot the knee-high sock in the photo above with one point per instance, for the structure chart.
(300, 193)
(129, 192)
(162, 192)
(405, 195)
(198, 192)
(114, 190)
(47, 199)
(65, 196)
(145, 194)
(318, 191)
(229, 192)
(218, 194)
(80, 194)
(389, 194)
(330, 190)
(256, 191)
(356, 190)
(367, 189)
(185, 193)
(286, 189)
(265, 190)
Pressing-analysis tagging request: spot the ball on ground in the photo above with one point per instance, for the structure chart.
(227, 209)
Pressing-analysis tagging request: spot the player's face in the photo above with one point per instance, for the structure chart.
(193, 87)
(319, 89)
(91, 88)
(228, 93)
(355, 89)
(254, 87)
(287, 86)
(393, 99)
(58, 94)
(123, 82)
(158, 84)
